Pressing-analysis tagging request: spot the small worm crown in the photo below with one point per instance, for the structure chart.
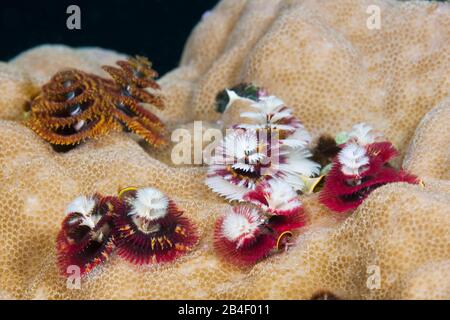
(353, 159)
(271, 113)
(364, 134)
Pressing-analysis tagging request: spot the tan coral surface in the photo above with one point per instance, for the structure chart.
(318, 56)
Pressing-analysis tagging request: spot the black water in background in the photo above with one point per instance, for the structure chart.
(157, 29)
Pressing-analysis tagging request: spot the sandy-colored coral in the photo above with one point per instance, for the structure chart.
(17, 90)
(424, 158)
(322, 60)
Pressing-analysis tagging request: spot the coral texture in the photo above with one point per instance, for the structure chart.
(321, 59)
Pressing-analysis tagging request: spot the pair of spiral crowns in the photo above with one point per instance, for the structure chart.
(75, 106)
(142, 224)
(360, 167)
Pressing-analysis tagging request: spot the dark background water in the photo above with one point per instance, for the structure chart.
(157, 29)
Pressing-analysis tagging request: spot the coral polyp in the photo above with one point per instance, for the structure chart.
(75, 106)
(86, 237)
(151, 228)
